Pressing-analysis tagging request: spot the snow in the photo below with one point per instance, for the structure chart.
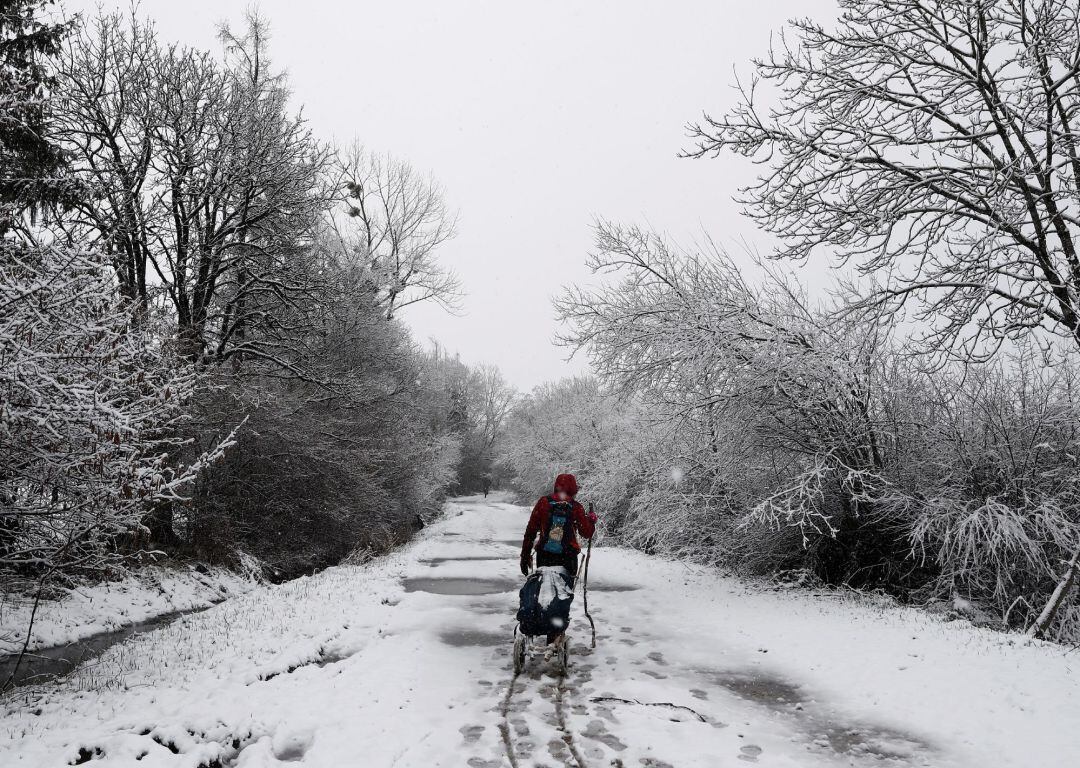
(374, 665)
(555, 584)
(85, 611)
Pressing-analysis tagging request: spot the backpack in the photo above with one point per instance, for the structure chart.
(559, 517)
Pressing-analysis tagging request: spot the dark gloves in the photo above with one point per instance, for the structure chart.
(526, 564)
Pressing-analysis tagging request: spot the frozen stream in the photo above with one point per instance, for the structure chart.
(47, 664)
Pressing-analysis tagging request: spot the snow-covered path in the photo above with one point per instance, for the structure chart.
(406, 662)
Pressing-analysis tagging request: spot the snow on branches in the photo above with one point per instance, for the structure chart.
(89, 405)
(809, 439)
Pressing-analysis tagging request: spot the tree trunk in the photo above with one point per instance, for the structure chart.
(1061, 593)
(159, 521)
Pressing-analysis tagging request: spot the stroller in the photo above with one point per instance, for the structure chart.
(544, 611)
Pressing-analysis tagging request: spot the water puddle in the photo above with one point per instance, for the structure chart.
(46, 664)
(474, 638)
(434, 561)
(851, 738)
(873, 741)
(450, 586)
(612, 587)
(759, 687)
(501, 607)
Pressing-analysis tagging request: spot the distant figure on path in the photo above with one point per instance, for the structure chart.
(552, 529)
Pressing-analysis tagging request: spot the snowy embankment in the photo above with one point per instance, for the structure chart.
(86, 611)
(406, 662)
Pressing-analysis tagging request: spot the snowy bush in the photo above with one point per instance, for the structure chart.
(90, 403)
(985, 483)
(768, 400)
(769, 435)
(342, 458)
(571, 426)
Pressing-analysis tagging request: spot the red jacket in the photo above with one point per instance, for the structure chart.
(538, 520)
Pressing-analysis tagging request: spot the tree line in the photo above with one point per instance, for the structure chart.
(916, 432)
(200, 346)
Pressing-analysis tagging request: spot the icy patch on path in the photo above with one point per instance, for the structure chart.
(459, 586)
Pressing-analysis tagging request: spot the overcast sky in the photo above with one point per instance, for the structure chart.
(537, 118)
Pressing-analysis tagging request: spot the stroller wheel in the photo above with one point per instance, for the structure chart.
(519, 653)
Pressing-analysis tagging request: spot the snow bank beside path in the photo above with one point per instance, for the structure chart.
(86, 611)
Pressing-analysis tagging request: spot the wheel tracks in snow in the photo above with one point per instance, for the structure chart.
(567, 734)
(504, 724)
(560, 714)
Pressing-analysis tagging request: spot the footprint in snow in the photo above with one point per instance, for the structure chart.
(750, 753)
(597, 731)
(471, 733)
(656, 675)
(290, 746)
(658, 658)
(557, 749)
(519, 705)
(607, 714)
(594, 753)
(697, 693)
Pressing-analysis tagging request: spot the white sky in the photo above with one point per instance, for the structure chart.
(537, 118)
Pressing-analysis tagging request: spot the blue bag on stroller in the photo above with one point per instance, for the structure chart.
(545, 598)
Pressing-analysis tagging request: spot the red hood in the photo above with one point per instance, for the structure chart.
(567, 484)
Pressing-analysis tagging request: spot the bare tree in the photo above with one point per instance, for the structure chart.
(494, 400)
(933, 145)
(205, 190)
(100, 118)
(398, 220)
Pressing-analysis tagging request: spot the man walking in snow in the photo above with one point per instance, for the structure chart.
(552, 529)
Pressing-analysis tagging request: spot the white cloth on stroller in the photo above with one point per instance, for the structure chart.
(556, 584)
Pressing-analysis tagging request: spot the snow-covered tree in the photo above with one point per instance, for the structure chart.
(930, 144)
(207, 189)
(29, 162)
(572, 426)
(774, 388)
(90, 404)
(344, 459)
(780, 435)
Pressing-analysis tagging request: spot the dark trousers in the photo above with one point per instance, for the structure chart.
(568, 560)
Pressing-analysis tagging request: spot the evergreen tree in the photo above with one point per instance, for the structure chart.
(29, 162)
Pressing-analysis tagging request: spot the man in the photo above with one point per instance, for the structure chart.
(552, 529)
